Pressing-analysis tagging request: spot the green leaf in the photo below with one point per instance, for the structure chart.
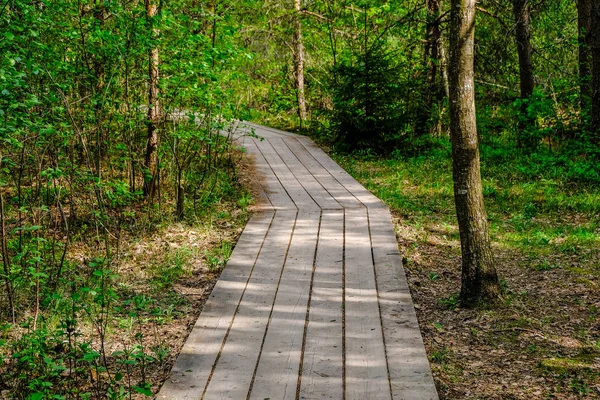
(144, 389)
(89, 357)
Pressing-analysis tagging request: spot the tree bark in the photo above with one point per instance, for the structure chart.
(584, 26)
(523, 37)
(299, 62)
(99, 71)
(479, 277)
(153, 111)
(434, 65)
(595, 39)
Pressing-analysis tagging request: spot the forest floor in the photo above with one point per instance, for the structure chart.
(543, 340)
(158, 285)
(205, 251)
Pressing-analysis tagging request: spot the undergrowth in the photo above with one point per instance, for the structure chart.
(93, 307)
(540, 202)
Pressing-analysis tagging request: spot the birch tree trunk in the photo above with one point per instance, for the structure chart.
(299, 62)
(479, 277)
(153, 110)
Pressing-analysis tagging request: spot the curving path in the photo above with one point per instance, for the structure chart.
(313, 303)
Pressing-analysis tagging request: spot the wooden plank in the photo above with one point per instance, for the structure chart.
(264, 334)
(306, 179)
(278, 367)
(322, 372)
(234, 370)
(410, 374)
(192, 368)
(366, 367)
(249, 129)
(362, 194)
(330, 183)
(262, 128)
(290, 183)
(246, 127)
(274, 191)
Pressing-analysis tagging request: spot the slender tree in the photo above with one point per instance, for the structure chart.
(299, 61)
(595, 39)
(153, 109)
(584, 27)
(524, 48)
(479, 277)
(434, 65)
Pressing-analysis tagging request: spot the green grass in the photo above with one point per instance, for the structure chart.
(541, 204)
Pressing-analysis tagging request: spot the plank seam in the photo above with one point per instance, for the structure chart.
(387, 362)
(269, 129)
(272, 307)
(310, 290)
(293, 174)
(263, 190)
(313, 175)
(330, 174)
(275, 175)
(212, 370)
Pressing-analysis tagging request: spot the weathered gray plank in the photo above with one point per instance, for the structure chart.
(268, 129)
(322, 370)
(290, 183)
(362, 194)
(307, 180)
(366, 367)
(193, 366)
(410, 374)
(278, 368)
(274, 191)
(235, 367)
(264, 334)
(330, 183)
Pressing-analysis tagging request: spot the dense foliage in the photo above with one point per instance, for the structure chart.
(75, 125)
(73, 132)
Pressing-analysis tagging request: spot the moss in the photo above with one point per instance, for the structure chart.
(579, 363)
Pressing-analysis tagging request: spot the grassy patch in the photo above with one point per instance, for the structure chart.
(537, 211)
(544, 213)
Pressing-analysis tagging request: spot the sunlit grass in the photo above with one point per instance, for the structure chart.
(539, 212)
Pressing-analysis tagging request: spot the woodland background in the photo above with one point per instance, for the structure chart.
(111, 156)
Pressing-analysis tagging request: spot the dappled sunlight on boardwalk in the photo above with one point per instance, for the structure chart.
(313, 303)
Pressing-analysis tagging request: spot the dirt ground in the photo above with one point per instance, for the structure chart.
(540, 342)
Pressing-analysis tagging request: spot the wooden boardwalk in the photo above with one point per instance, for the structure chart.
(313, 303)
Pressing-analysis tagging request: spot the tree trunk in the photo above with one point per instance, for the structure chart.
(595, 39)
(524, 50)
(434, 66)
(523, 36)
(444, 66)
(153, 111)
(99, 71)
(584, 22)
(479, 277)
(299, 62)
